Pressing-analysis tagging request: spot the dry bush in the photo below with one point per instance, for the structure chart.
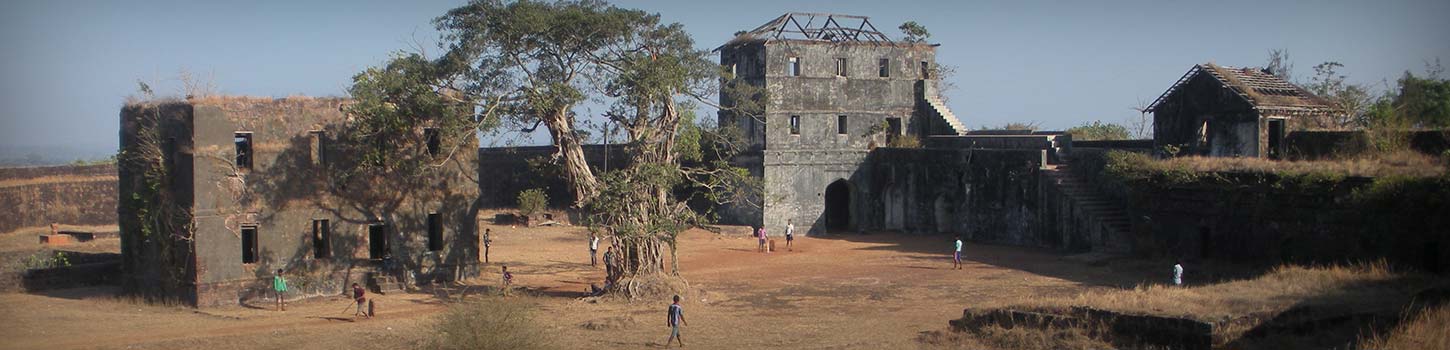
(1403, 163)
(1428, 330)
(1274, 291)
(490, 323)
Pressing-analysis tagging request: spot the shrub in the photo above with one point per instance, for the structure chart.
(532, 201)
(488, 324)
(1097, 130)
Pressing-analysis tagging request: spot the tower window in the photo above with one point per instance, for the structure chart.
(795, 66)
(318, 147)
(884, 66)
(435, 232)
(435, 143)
(321, 239)
(795, 125)
(840, 67)
(841, 124)
(243, 141)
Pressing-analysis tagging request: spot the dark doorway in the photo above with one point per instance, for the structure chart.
(838, 205)
(377, 241)
(249, 244)
(1276, 138)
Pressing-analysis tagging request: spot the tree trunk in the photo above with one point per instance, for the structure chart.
(569, 149)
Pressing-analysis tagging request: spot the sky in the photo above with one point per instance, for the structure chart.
(67, 66)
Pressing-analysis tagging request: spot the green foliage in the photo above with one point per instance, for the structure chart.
(1097, 130)
(532, 201)
(488, 324)
(1418, 103)
(1029, 126)
(915, 32)
(1353, 99)
(46, 260)
(393, 104)
(904, 141)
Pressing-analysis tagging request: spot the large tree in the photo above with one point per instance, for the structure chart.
(521, 63)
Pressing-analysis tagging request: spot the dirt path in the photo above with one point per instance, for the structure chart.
(849, 291)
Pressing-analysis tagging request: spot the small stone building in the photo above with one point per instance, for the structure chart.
(218, 193)
(1231, 112)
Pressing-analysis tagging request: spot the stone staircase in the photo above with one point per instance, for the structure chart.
(1108, 220)
(944, 114)
(383, 283)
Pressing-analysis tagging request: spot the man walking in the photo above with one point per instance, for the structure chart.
(957, 257)
(789, 234)
(279, 285)
(593, 249)
(609, 264)
(675, 319)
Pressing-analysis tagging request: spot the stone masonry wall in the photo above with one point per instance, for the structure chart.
(69, 195)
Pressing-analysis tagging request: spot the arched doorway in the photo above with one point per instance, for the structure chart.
(838, 205)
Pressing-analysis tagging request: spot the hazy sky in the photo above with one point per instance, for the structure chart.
(67, 66)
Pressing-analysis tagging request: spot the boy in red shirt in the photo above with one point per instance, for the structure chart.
(359, 295)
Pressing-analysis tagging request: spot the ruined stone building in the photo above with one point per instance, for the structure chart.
(1232, 112)
(218, 193)
(837, 88)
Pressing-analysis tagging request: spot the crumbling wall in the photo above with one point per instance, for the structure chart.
(301, 173)
(984, 195)
(36, 197)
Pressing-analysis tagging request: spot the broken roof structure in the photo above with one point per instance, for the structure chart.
(817, 27)
(1256, 86)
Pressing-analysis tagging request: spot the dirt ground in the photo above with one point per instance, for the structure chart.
(833, 292)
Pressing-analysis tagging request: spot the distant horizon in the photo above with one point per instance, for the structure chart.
(1055, 65)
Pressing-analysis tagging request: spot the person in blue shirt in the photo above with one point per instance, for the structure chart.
(676, 317)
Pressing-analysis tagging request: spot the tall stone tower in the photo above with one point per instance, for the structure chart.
(836, 89)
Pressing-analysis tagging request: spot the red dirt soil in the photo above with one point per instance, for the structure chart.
(837, 291)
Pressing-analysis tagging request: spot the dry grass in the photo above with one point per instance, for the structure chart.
(1021, 338)
(491, 323)
(1358, 285)
(1235, 307)
(1428, 330)
(1402, 163)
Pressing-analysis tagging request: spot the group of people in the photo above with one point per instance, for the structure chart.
(789, 237)
(279, 286)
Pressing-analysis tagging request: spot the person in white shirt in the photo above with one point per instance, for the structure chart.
(593, 249)
(957, 258)
(789, 234)
(1177, 274)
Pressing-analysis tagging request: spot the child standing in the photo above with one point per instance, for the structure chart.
(760, 233)
(279, 285)
(487, 242)
(508, 280)
(593, 249)
(957, 256)
(789, 235)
